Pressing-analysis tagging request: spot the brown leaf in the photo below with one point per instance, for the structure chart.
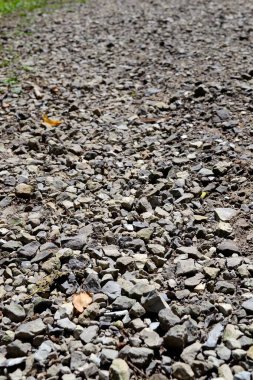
(81, 301)
(50, 122)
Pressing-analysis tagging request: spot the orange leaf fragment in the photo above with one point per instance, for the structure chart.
(50, 122)
(81, 301)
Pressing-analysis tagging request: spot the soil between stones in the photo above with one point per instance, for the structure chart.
(141, 197)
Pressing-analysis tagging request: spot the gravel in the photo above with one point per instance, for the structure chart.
(140, 194)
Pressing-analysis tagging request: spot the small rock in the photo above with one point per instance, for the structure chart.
(23, 190)
(112, 289)
(225, 372)
(186, 267)
(225, 214)
(66, 324)
(119, 370)
(228, 247)
(151, 338)
(182, 371)
(214, 336)
(30, 329)
(153, 302)
(225, 287)
(248, 305)
(15, 312)
(189, 353)
(89, 334)
(167, 319)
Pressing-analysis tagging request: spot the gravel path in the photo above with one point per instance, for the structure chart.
(126, 231)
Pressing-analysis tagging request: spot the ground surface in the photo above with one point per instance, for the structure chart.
(142, 196)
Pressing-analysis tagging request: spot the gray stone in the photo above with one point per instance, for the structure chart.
(89, 334)
(182, 371)
(223, 352)
(66, 324)
(137, 310)
(248, 305)
(186, 267)
(140, 356)
(15, 312)
(140, 289)
(214, 336)
(244, 375)
(225, 214)
(43, 352)
(119, 370)
(156, 249)
(191, 251)
(189, 353)
(29, 250)
(151, 338)
(76, 242)
(111, 251)
(108, 355)
(122, 303)
(30, 329)
(77, 360)
(112, 289)
(18, 349)
(167, 318)
(225, 287)
(228, 247)
(8, 363)
(176, 338)
(153, 302)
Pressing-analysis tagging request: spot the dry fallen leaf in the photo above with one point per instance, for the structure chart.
(50, 122)
(81, 301)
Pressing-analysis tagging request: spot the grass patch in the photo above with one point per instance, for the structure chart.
(9, 6)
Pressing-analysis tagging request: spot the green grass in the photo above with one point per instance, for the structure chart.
(9, 6)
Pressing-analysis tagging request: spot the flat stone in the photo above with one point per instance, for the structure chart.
(140, 289)
(24, 190)
(214, 336)
(228, 247)
(122, 303)
(66, 324)
(75, 242)
(119, 370)
(111, 251)
(186, 267)
(191, 251)
(112, 289)
(8, 363)
(30, 329)
(15, 312)
(243, 375)
(225, 214)
(89, 334)
(29, 250)
(140, 356)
